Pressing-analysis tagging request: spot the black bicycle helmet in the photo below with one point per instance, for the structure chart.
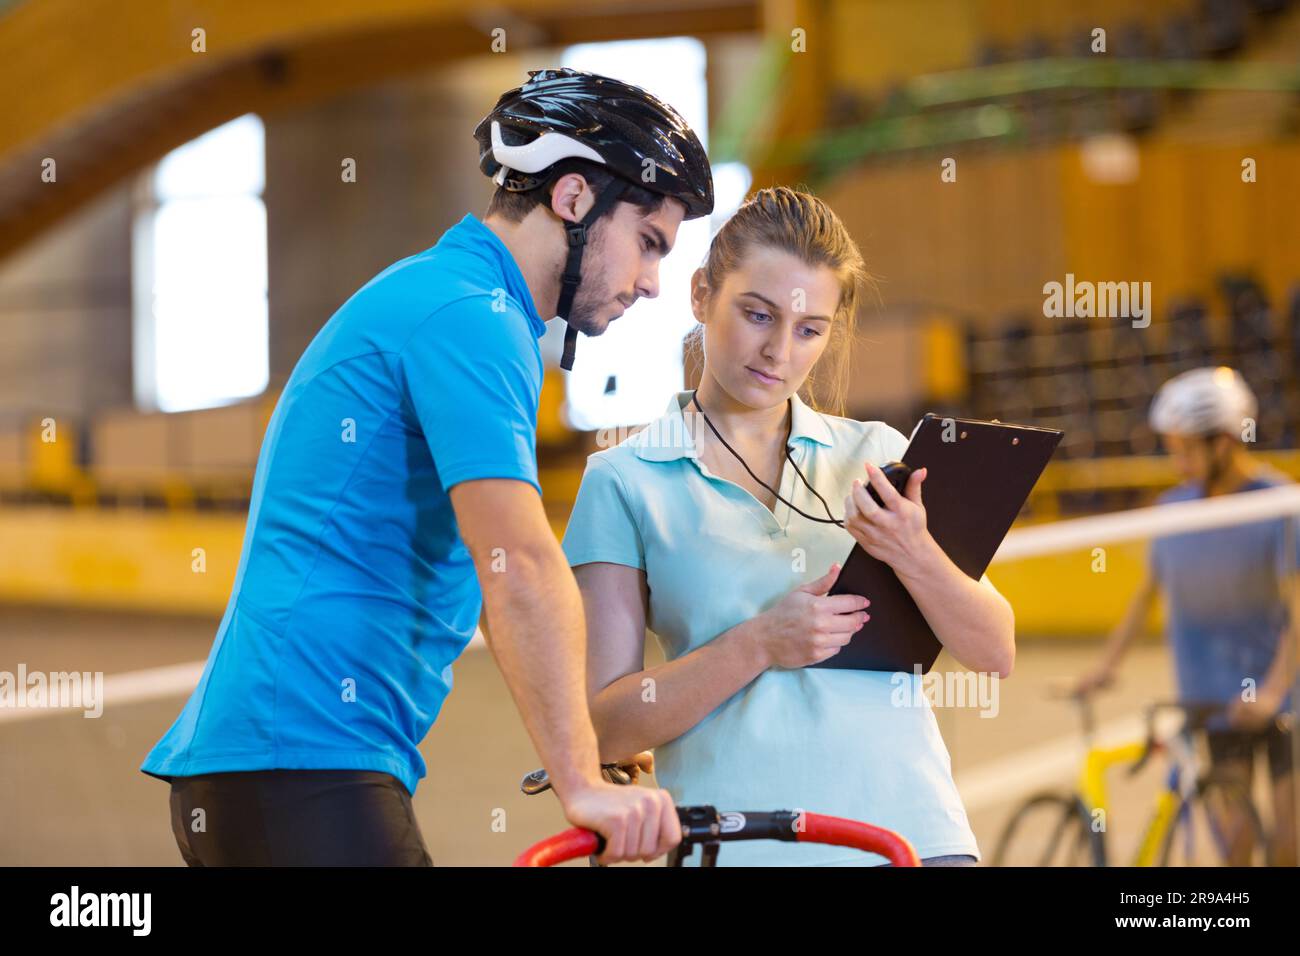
(568, 114)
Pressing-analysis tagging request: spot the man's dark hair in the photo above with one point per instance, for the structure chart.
(513, 207)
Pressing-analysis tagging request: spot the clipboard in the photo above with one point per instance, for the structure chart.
(980, 475)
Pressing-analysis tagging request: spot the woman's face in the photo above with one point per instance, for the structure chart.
(767, 325)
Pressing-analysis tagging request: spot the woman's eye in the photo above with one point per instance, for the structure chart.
(761, 316)
(649, 243)
(815, 332)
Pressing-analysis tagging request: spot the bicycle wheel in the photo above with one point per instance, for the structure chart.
(1050, 829)
(1218, 825)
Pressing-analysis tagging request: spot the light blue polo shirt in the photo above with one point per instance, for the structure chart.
(828, 741)
(1226, 611)
(354, 591)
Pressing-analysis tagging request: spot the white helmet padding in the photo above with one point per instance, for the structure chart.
(546, 150)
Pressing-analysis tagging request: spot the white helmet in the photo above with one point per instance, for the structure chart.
(1203, 402)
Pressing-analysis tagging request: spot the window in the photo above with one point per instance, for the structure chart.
(643, 349)
(199, 273)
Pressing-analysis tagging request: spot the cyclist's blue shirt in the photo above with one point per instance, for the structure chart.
(354, 591)
(1223, 604)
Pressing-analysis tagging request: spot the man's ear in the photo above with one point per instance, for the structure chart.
(699, 294)
(571, 197)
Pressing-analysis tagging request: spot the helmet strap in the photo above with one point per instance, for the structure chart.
(577, 233)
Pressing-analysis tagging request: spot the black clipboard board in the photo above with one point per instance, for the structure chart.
(980, 474)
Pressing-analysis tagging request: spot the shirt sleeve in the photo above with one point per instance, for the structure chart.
(603, 526)
(473, 376)
(894, 443)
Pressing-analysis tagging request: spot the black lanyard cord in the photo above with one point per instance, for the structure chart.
(829, 519)
(809, 486)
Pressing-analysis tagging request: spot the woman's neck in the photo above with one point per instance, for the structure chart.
(752, 427)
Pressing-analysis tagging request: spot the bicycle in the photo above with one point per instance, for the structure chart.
(708, 828)
(1199, 819)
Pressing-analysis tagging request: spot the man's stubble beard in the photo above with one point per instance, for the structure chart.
(582, 314)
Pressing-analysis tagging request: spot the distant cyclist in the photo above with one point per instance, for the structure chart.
(1228, 621)
(396, 494)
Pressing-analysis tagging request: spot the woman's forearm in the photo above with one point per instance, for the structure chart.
(975, 623)
(647, 708)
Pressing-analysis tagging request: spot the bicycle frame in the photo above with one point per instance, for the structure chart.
(1179, 783)
(1182, 786)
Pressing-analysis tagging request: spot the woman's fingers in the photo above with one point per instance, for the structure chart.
(849, 624)
(834, 625)
(863, 502)
(888, 493)
(827, 654)
(913, 487)
(823, 583)
(843, 603)
(834, 641)
(829, 643)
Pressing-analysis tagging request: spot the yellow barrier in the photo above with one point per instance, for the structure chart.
(1061, 594)
(146, 560)
(164, 561)
(151, 560)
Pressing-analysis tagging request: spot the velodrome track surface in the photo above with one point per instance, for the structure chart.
(71, 792)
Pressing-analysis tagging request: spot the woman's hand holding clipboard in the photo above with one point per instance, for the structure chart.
(886, 515)
(978, 477)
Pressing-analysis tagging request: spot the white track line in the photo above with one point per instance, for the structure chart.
(154, 683)
(133, 687)
(988, 784)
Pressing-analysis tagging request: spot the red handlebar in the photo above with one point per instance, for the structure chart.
(569, 845)
(836, 831)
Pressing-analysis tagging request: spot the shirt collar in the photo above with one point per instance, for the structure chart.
(668, 437)
(515, 283)
(809, 423)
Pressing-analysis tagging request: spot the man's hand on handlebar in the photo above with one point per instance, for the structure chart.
(638, 823)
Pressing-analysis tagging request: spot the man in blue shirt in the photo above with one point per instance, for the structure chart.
(396, 495)
(1230, 628)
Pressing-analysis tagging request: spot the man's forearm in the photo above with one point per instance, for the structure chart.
(1126, 632)
(1282, 670)
(537, 634)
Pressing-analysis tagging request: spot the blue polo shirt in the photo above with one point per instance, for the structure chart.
(354, 591)
(1225, 610)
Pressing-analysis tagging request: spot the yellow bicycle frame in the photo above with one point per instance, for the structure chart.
(1092, 789)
